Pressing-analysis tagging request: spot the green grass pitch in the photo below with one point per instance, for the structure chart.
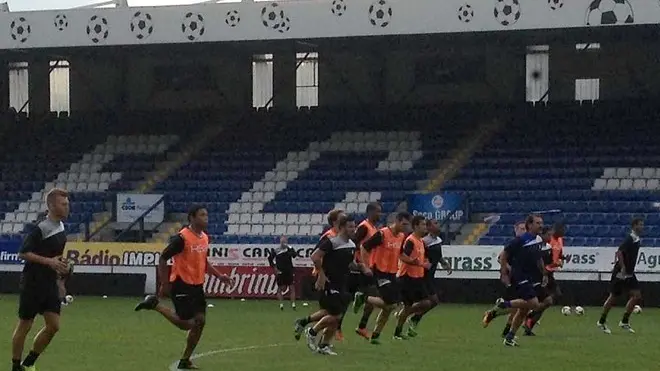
(106, 334)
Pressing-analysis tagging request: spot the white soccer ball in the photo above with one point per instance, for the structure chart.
(579, 310)
(68, 299)
(566, 311)
(637, 309)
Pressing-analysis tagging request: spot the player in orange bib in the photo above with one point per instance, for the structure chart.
(412, 270)
(188, 251)
(361, 283)
(382, 252)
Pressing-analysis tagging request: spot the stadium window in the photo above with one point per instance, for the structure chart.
(59, 86)
(587, 89)
(307, 79)
(262, 80)
(537, 66)
(587, 46)
(19, 86)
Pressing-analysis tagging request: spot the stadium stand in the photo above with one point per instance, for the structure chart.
(596, 173)
(274, 176)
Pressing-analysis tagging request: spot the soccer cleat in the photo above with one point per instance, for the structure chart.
(186, 365)
(339, 336)
(281, 307)
(311, 340)
(298, 329)
(489, 315)
(603, 327)
(399, 337)
(363, 332)
(326, 350)
(358, 302)
(149, 303)
(626, 327)
(375, 341)
(411, 333)
(293, 306)
(412, 327)
(510, 342)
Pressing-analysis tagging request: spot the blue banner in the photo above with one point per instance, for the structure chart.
(438, 206)
(9, 252)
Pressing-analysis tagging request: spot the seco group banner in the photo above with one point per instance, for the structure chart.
(131, 206)
(438, 206)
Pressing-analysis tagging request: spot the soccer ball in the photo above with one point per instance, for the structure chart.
(285, 25)
(579, 310)
(507, 12)
(61, 22)
(338, 7)
(555, 4)
(20, 30)
(566, 311)
(232, 19)
(465, 13)
(142, 26)
(380, 14)
(192, 26)
(607, 12)
(272, 16)
(97, 29)
(637, 309)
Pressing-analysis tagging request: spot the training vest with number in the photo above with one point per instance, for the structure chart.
(190, 264)
(418, 252)
(385, 257)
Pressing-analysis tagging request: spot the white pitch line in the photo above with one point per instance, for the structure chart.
(173, 366)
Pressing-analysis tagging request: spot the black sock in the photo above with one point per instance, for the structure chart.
(30, 359)
(312, 332)
(184, 362)
(531, 314)
(416, 318)
(603, 318)
(398, 330)
(375, 335)
(364, 320)
(506, 330)
(626, 318)
(15, 364)
(305, 321)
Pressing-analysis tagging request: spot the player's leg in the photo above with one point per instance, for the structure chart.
(332, 305)
(545, 300)
(616, 288)
(408, 297)
(390, 293)
(43, 337)
(192, 309)
(527, 295)
(635, 296)
(281, 288)
(28, 308)
(434, 300)
(292, 294)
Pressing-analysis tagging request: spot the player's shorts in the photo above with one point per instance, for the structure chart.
(413, 290)
(37, 299)
(357, 281)
(619, 286)
(284, 278)
(429, 282)
(525, 290)
(541, 292)
(388, 287)
(334, 301)
(510, 293)
(188, 300)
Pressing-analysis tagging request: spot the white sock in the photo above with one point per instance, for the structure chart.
(293, 304)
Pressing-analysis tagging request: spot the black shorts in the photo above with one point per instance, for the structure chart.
(510, 293)
(413, 290)
(284, 278)
(388, 287)
(359, 282)
(429, 282)
(188, 300)
(541, 292)
(36, 299)
(619, 286)
(334, 301)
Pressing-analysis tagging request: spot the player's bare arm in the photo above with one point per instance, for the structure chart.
(317, 259)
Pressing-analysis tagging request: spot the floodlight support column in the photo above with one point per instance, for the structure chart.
(39, 86)
(284, 79)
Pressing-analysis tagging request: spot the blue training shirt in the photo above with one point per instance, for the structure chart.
(524, 253)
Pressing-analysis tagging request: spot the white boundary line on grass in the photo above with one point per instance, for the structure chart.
(173, 366)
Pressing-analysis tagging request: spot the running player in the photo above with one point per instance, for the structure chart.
(42, 250)
(300, 323)
(382, 252)
(433, 244)
(188, 251)
(281, 260)
(414, 264)
(360, 282)
(509, 292)
(524, 256)
(554, 260)
(624, 279)
(333, 259)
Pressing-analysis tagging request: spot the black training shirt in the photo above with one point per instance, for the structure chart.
(282, 258)
(46, 239)
(629, 248)
(337, 259)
